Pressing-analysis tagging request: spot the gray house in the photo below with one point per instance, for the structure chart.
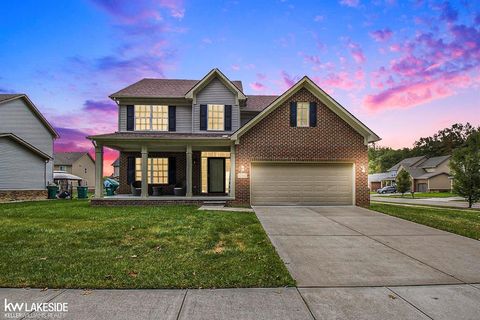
(26, 149)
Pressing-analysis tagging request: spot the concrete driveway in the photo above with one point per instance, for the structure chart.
(352, 246)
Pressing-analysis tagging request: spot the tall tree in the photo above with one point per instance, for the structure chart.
(444, 141)
(465, 165)
(403, 182)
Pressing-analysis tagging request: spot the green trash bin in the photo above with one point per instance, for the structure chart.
(109, 191)
(52, 192)
(82, 192)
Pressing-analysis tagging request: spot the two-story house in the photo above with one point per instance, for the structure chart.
(26, 149)
(426, 174)
(207, 136)
(80, 164)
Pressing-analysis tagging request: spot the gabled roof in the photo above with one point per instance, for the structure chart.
(9, 97)
(25, 144)
(160, 88)
(434, 162)
(215, 73)
(407, 162)
(257, 103)
(333, 105)
(68, 158)
(414, 172)
(378, 177)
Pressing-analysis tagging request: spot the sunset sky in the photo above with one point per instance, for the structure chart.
(404, 68)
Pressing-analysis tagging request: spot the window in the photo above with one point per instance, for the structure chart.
(216, 117)
(157, 170)
(63, 168)
(151, 118)
(85, 170)
(303, 109)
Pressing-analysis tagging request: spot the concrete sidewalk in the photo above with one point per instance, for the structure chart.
(454, 202)
(405, 302)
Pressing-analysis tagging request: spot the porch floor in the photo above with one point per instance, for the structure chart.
(169, 198)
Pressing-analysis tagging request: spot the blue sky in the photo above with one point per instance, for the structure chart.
(409, 67)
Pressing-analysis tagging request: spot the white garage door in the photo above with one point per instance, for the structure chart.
(301, 184)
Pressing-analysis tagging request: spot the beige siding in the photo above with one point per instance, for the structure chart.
(440, 182)
(85, 169)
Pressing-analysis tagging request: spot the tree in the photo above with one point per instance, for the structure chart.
(403, 182)
(465, 165)
(444, 141)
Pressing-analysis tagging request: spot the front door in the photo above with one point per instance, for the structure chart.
(216, 175)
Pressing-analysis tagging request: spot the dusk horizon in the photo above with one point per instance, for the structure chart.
(405, 69)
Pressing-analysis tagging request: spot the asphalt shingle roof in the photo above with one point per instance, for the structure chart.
(66, 158)
(9, 96)
(258, 102)
(161, 88)
(433, 162)
(406, 162)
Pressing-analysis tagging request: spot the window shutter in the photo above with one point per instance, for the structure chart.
(172, 118)
(130, 118)
(130, 170)
(228, 117)
(172, 170)
(313, 114)
(293, 114)
(203, 117)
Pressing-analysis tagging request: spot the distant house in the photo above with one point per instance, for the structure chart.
(26, 149)
(116, 169)
(77, 163)
(427, 174)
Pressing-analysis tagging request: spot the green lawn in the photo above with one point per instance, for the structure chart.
(69, 244)
(423, 195)
(460, 221)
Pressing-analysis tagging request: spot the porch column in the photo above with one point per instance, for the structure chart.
(144, 193)
(189, 171)
(98, 171)
(231, 192)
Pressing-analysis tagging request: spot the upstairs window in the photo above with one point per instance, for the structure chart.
(151, 118)
(157, 170)
(216, 117)
(303, 111)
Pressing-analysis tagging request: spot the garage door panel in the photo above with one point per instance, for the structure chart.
(301, 184)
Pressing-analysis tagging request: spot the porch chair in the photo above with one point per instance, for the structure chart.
(136, 188)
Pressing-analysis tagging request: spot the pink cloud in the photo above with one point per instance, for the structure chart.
(75, 140)
(287, 81)
(381, 35)
(235, 67)
(356, 52)
(107, 107)
(413, 94)
(257, 86)
(350, 3)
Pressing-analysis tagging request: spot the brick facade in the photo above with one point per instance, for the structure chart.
(272, 139)
(18, 195)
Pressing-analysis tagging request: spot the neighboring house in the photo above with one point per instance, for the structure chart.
(26, 149)
(380, 180)
(207, 136)
(427, 174)
(80, 164)
(116, 169)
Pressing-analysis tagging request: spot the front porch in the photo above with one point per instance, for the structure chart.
(159, 170)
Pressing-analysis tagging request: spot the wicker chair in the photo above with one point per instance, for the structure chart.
(136, 188)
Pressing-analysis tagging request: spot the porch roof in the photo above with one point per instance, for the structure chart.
(133, 140)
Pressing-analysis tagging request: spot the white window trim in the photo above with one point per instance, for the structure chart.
(208, 117)
(151, 117)
(150, 170)
(308, 115)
